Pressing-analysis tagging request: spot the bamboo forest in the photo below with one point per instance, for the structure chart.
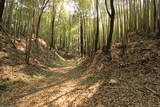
(79, 53)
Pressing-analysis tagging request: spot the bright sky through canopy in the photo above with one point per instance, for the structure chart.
(70, 7)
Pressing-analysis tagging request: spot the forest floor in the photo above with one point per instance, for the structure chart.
(129, 80)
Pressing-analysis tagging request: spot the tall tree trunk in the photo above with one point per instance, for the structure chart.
(103, 29)
(52, 32)
(81, 35)
(38, 26)
(1, 9)
(28, 40)
(112, 16)
(155, 14)
(45, 2)
(10, 16)
(97, 29)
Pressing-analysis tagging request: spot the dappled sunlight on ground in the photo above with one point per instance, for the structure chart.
(3, 54)
(95, 82)
(63, 69)
(63, 87)
(12, 72)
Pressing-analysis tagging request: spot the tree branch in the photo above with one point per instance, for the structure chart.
(107, 8)
(154, 92)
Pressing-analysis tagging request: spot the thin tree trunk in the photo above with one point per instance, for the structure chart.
(28, 42)
(52, 32)
(10, 16)
(45, 2)
(155, 14)
(97, 29)
(81, 34)
(38, 26)
(1, 9)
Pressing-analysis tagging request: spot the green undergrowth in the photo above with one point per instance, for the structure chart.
(56, 62)
(38, 75)
(63, 63)
(11, 85)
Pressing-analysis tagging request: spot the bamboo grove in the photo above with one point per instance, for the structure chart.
(80, 26)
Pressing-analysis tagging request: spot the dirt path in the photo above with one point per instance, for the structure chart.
(64, 87)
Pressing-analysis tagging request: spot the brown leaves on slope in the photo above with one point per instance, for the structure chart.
(137, 69)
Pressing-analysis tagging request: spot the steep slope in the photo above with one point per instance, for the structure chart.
(132, 79)
(13, 69)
